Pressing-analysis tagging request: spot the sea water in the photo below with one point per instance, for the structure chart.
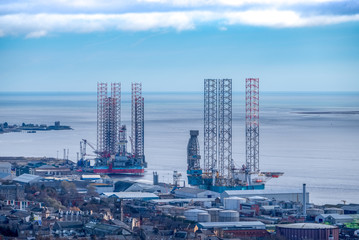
(312, 137)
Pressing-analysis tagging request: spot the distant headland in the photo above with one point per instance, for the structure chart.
(31, 128)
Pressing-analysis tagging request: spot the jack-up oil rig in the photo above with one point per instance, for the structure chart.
(112, 155)
(219, 172)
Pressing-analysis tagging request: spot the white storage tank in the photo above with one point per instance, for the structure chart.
(204, 217)
(257, 199)
(228, 216)
(207, 204)
(233, 203)
(214, 212)
(192, 214)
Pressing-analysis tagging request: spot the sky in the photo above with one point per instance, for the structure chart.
(172, 45)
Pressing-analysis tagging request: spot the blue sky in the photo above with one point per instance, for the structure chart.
(172, 45)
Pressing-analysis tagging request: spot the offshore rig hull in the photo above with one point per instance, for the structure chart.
(112, 155)
(219, 172)
(131, 170)
(241, 181)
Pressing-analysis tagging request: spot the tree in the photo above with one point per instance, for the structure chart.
(69, 195)
(91, 191)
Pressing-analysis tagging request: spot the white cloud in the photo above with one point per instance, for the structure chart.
(101, 6)
(38, 18)
(187, 3)
(39, 24)
(275, 18)
(36, 34)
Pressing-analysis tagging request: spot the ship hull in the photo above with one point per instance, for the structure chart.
(119, 171)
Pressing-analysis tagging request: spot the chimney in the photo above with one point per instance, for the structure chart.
(304, 200)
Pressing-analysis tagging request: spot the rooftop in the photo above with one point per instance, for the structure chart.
(261, 192)
(102, 227)
(336, 216)
(243, 225)
(190, 190)
(26, 178)
(5, 164)
(93, 176)
(53, 169)
(183, 200)
(5, 175)
(130, 195)
(306, 226)
(351, 207)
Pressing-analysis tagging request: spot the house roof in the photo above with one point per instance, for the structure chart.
(25, 226)
(102, 227)
(20, 213)
(69, 225)
(5, 175)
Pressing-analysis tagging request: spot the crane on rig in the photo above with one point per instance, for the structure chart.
(84, 161)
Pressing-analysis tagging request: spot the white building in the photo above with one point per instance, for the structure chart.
(5, 167)
(27, 179)
(334, 218)
(130, 195)
(294, 195)
(188, 192)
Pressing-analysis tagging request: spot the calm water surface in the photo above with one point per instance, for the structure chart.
(319, 149)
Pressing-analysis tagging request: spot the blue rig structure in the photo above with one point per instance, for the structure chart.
(219, 172)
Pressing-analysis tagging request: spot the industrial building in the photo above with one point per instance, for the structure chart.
(187, 192)
(243, 229)
(27, 179)
(5, 167)
(279, 195)
(335, 219)
(130, 195)
(299, 231)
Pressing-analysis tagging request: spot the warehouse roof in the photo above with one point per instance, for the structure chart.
(53, 169)
(27, 178)
(131, 195)
(306, 226)
(236, 225)
(336, 216)
(91, 176)
(190, 190)
(184, 200)
(261, 192)
(351, 207)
